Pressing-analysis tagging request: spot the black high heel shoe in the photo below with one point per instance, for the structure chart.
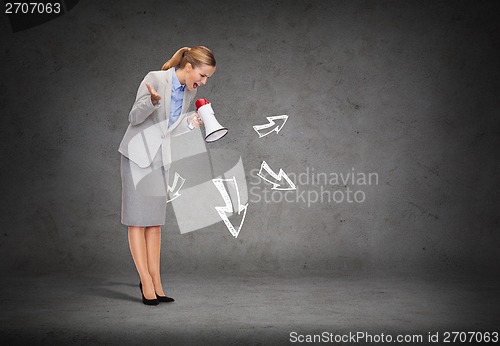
(164, 299)
(148, 301)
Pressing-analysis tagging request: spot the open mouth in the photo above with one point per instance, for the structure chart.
(195, 85)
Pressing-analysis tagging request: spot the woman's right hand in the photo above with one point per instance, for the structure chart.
(155, 97)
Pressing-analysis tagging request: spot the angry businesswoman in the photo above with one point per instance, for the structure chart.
(159, 112)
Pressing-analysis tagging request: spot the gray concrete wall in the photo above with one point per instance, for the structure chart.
(406, 90)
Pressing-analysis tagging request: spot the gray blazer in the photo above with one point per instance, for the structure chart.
(148, 128)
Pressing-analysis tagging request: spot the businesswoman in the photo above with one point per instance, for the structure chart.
(158, 114)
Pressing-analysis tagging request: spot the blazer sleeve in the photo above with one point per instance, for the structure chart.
(143, 107)
(183, 127)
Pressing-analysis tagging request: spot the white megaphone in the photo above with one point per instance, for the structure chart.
(213, 130)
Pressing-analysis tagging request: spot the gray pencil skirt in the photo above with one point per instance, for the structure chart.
(144, 193)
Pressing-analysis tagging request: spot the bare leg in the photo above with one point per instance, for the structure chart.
(137, 242)
(153, 244)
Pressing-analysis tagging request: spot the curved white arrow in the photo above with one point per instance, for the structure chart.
(281, 175)
(228, 208)
(172, 188)
(271, 123)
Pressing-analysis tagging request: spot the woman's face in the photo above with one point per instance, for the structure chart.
(197, 76)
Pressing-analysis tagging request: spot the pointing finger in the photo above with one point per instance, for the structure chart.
(150, 89)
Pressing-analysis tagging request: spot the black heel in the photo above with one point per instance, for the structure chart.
(164, 299)
(148, 301)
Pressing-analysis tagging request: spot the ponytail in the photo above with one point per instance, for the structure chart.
(196, 56)
(176, 59)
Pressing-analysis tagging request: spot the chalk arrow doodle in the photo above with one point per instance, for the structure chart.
(262, 130)
(228, 208)
(174, 187)
(264, 167)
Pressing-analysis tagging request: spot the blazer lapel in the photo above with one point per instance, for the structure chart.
(168, 93)
(166, 96)
(186, 99)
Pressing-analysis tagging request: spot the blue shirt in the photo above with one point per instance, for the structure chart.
(176, 99)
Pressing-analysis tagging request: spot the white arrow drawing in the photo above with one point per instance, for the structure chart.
(271, 123)
(173, 189)
(278, 177)
(228, 208)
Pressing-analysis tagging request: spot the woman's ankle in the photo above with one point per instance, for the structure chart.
(158, 286)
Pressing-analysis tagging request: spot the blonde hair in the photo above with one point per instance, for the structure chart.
(196, 56)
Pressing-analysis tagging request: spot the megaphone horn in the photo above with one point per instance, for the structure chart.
(213, 130)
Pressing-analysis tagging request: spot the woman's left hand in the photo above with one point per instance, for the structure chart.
(195, 120)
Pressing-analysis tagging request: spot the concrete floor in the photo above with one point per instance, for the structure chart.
(242, 308)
